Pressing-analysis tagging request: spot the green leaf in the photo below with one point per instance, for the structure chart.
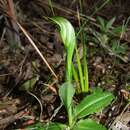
(102, 23)
(68, 36)
(51, 126)
(117, 30)
(105, 25)
(88, 124)
(66, 93)
(29, 84)
(117, 48)
(110, 23)
(93, 103)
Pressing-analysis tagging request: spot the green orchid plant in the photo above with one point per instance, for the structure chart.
(69, 40)
(78, 115)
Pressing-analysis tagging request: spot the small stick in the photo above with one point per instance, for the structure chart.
(36, 48)
(38, 102)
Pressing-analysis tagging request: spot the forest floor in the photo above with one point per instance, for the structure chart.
(25, 80)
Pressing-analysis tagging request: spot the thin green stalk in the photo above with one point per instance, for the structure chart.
(99, 8)
(70, 117)
(83, 72)
(85, 68)
(80, 4)
(80, 70)
(51, 6)
(76, 78)
(69, 67)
